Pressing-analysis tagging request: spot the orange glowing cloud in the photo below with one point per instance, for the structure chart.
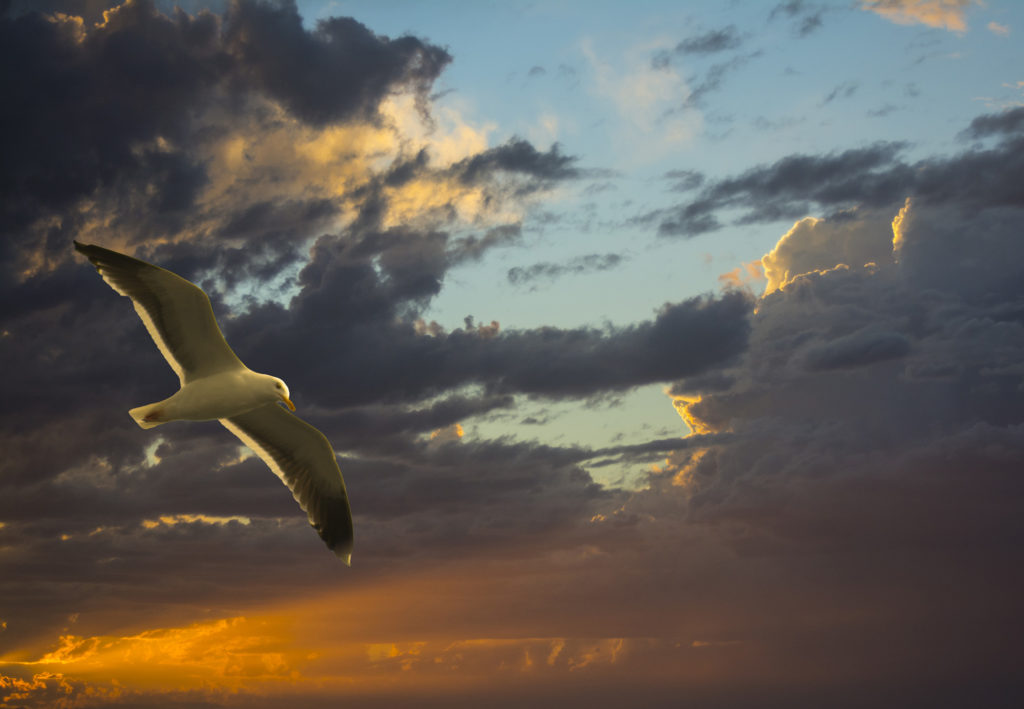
(944, 14)
(447, 434)
(685, 407)
(370, 640)
(221, 652)
(743, 277)
(899, 227)
(266, 156)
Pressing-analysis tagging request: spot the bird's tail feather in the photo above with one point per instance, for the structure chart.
(149, 415)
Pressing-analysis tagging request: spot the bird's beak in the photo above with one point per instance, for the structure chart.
(288, 401)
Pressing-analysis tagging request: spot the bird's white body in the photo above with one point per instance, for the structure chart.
(218, 396)
(215, 384)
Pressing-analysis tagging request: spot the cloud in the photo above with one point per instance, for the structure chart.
(117, 135)
(710, 42)
(806, 17)
(896, 384)
(549, 271)
(547, 361)
(872, 177)
(686, 180)
(843, 90)
(878, 412)
(171, 156)
(852, 486)
(645, 96)
(1009, 123)
(852, 238)
(322, 227)
(518, 156)
(338, 71)
(840, 299)
(883, 365)
(785, 188)
(942, 14)
(164, 137)
(857, 349)
(998, 29)
(713, 78)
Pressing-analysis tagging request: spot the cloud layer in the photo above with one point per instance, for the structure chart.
(841, 526)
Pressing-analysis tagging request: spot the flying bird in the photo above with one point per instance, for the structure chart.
(216, 385)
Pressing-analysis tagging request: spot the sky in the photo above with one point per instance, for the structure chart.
(673, 353)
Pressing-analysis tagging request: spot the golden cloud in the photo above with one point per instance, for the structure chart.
(944, 14)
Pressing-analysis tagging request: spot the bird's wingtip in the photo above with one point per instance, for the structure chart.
(343, 551)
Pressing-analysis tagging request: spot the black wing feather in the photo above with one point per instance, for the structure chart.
(304, 460)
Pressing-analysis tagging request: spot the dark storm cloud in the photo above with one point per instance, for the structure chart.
(519, 157)
(83, 111)
(125, 83)
(378, 424)
(339, 71)
(79, 479)
(144, 76)
(900, 361)
(267, 219)
(857, 416)
(653, 450)
(421, 500)
(876, 425)
(873, 176)
(368, 354)
(711, 382)
(860, 175)
(339, 344)
(1009, 122)
(857, 349)
(876, 420)
(402, 171)
(508, 171)
(549, 271)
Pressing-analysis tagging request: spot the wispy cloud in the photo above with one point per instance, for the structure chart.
(843, 90)
(644, 97)
(710, 42)
(806, 17)
(998, 29)
(521, 275)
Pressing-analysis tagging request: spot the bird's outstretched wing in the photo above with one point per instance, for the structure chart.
(303, 458)
(176, 312)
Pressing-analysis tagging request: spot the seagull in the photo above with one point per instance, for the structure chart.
(216, 385)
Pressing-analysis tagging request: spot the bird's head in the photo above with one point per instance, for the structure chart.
(280, 391)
